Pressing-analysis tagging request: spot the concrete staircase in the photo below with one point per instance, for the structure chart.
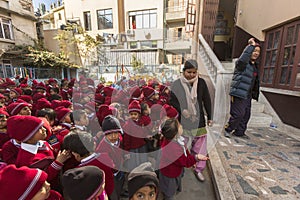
(258, 117)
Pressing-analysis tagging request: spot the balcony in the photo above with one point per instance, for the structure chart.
(178, 43)
(176, 13)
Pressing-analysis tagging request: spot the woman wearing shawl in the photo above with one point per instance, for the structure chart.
(189, 94)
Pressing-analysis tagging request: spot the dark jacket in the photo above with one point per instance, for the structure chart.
(178, 101)
(245, 80)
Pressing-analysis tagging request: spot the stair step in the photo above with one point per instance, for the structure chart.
(260, 120)
(257, 107)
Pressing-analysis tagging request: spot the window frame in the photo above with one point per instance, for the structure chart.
(87, 19)
(109, 14)
(137, 14)
(293, 62)
(9, 24)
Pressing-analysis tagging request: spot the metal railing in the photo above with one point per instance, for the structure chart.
(212, 63)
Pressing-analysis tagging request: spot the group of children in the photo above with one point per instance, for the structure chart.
(80, 141)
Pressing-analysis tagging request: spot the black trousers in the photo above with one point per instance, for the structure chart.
(240, 111)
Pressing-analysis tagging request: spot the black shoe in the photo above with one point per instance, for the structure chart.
(227, 134)
(244, 136)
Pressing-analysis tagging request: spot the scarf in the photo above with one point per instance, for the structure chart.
(190, 94)
(180, 141)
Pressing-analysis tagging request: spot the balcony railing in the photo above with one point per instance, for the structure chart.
(176, 8)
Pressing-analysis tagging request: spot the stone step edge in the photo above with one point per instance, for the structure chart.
(219, 177)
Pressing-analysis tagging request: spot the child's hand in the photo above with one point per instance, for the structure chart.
(62, 156)
(201, 157)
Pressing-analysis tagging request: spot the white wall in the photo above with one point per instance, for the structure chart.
(257, 15)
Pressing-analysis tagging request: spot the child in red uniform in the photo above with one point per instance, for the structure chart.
(25, 183)
(136, 131)
(33, 151)
(81, 145)
(3, 135)
(111, 144)
(84, 183)
(174, 158)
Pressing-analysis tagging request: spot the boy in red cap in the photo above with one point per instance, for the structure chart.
(81, 145)
(19, 108)
(136, 131)
(112, 144)
(31, 184)
(33, 150)
(151, 96)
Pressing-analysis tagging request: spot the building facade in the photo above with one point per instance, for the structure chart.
(17, 27)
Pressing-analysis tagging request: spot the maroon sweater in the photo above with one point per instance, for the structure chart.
(173, 159)
(105, 163)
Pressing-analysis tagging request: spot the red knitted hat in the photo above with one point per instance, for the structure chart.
(135, 92)
(99, 87)
(163, 88)
(61, 113)
(168, 111)
(134, 106)
(41, 85)
(18, 91)
(43, 103)
(3, 112)
(148, 92)
(52, 80)
(107, 91)
(22, 128)
(2, 96)
(90, 106)
(28, 180)
(55, 104)
(16, 107)
(103, 111)
(99, 98)
(47, 126)
(65, 103)
(121, 97)
(26, 98)
(37, 96)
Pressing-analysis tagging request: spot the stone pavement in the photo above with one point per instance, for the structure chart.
(267, 166)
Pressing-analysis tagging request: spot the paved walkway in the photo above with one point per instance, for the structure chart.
(267, 166)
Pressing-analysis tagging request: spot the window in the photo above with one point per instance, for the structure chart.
(104, 19)
(6, 29)
(87, 21)
(143, 19)
(133, 45)
(281, 60)
(148, 44)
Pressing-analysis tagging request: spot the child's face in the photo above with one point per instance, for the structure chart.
(3, 120)
(112, 137)
(134, 116)
(52, 92)
(12, 95)
(147, 111)
(155, 96)
(146, 192)
(25, 111)
(67, 119)
(43, 193)
(41, 134)
(2, 100)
